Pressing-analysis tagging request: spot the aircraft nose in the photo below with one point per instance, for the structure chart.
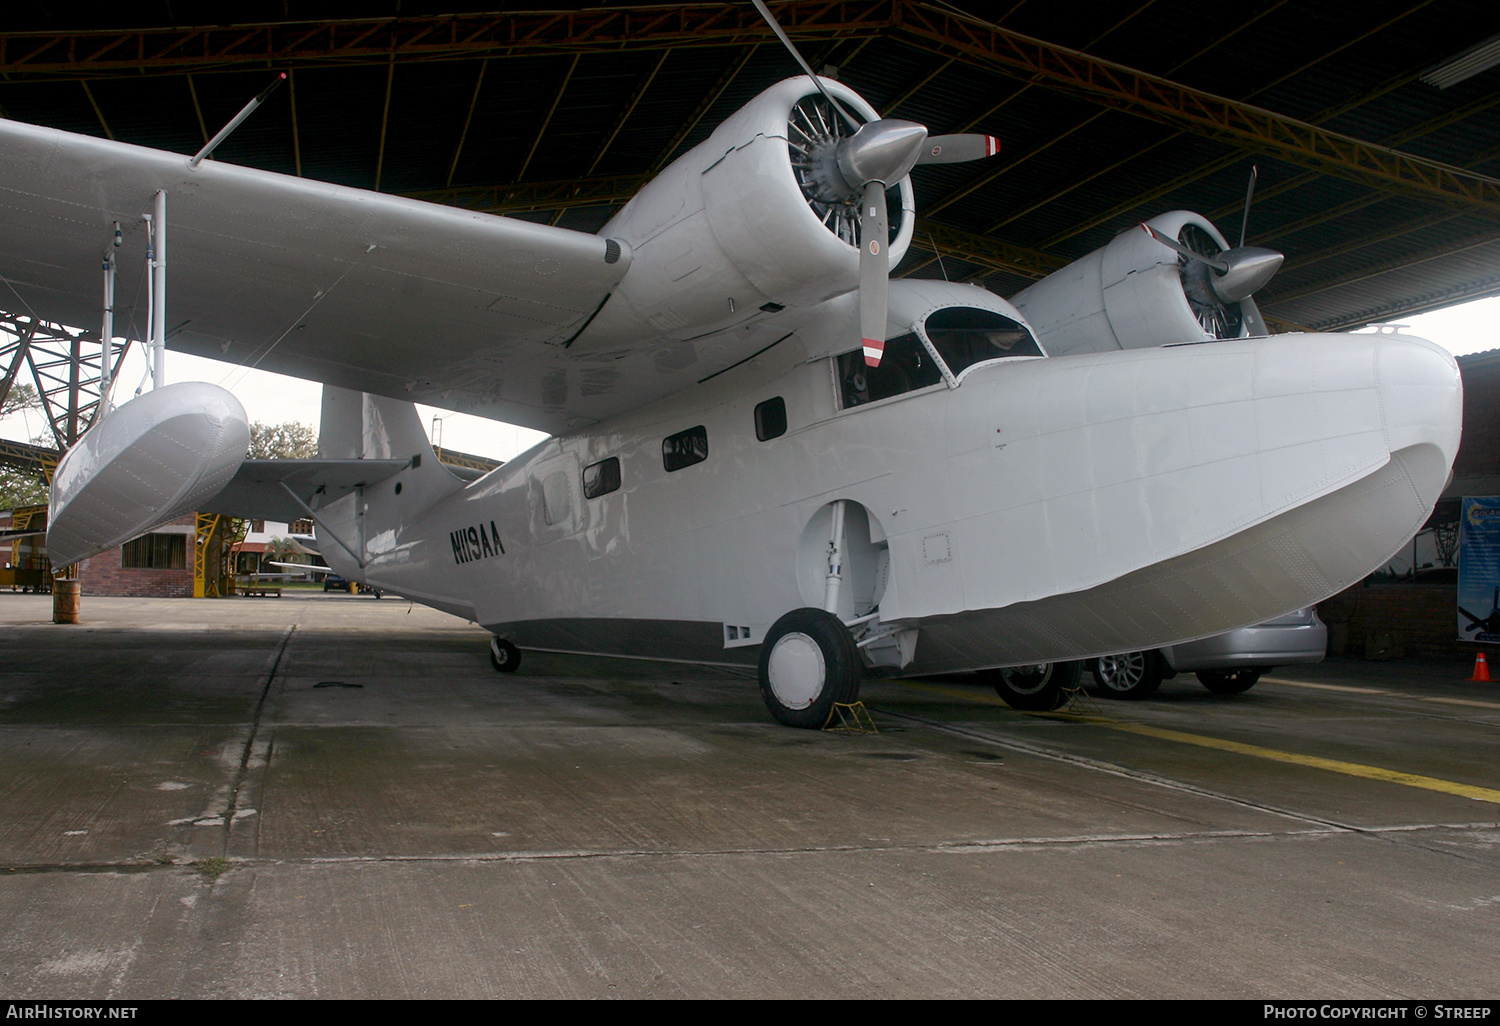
(1422, 394)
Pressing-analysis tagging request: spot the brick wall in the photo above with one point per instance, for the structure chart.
(1479, 452)
(103, 575)
(1388, 621)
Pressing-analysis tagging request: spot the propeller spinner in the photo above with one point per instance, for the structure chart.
(837, 169)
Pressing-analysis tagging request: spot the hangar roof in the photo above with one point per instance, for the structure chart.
(1381, 187)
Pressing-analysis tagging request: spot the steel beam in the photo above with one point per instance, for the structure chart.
(64, 365)
(547, 119)
(1436, 253)
(102, 53)
(629, 109)
(463, 134)
(36, 458)
(991, 254)
(932, 27)
(550, 195)
(1240, 125)
(710, 98)
(385, 120)
(291, 88)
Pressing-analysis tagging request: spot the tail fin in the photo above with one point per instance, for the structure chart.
(357, 425)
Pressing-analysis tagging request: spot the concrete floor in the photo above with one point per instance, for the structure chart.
(336, 796)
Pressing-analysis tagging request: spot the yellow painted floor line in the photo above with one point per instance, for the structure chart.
(1325, 687)
(1352, 769)
(1476, 703)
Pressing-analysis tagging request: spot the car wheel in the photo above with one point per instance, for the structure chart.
(1130, 675)
(1038, 687)
(504, 656)
(1230, 682)
(807, 663)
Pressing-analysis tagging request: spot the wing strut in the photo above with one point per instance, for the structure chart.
(320, 522)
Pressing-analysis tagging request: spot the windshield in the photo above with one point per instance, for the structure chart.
(964, 336)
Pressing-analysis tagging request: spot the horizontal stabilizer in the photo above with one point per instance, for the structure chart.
(260, 490)
(10, 536)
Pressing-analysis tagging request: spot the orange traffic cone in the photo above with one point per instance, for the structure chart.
(1481, 669)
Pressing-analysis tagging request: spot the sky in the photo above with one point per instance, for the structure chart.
(274, 399)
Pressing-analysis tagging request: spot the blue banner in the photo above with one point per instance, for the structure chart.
(1479, 570)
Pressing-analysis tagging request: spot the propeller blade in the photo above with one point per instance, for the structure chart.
(797, 56)
(1245, 222)
(874, 271)
(954, 149)
(1171, 243)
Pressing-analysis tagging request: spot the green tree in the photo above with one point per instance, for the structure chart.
(282, 550)
(21, 488)
(293, 440)
(20, 397)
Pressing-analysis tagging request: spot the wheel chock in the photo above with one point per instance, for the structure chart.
(850, 718)
(1078, 700)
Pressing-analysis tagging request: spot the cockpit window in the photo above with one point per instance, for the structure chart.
(906, 366)
(964, 336)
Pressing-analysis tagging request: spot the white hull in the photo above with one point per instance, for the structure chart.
(1044, 509)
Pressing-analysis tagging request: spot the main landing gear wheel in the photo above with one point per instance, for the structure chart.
(1230, 682)
(1130, 675)
(1040, 687)
(807, 663)
(504, 656)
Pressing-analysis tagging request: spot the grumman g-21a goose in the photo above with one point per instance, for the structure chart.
(757, 455)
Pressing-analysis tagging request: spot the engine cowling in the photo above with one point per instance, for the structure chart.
(734, 226)
(1135, 292)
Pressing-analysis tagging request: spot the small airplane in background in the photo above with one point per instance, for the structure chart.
(1488, 624)
(763, 450)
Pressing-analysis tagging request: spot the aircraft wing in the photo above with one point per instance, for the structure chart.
(364, 290)
(257, 492)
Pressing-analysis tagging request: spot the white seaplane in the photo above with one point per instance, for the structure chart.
(762, 451)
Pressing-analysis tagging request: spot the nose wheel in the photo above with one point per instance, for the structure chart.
(807, 663)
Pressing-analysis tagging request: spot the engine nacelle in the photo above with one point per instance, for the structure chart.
(1135, 293)
(728, 229)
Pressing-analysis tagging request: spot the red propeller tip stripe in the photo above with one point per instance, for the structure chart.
(991, 146)
(874, 350)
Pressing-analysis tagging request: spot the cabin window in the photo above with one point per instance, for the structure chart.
(684, 448)
(770, 419)
(155, 552)
(557, 498)
(601, 478)
(905, 367)
(964, 336)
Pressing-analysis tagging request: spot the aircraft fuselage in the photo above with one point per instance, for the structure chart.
(1043, 509)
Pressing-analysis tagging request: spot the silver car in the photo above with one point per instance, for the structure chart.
(1226, 664)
